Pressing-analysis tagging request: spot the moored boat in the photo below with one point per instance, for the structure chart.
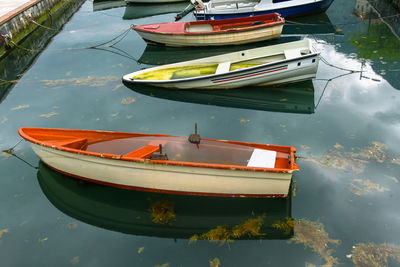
(213, 32)
(269, 65)
(191, 166)
(222, 9)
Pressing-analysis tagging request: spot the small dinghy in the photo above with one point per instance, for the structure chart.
(213, 32)
(167, 164)
(269, 65)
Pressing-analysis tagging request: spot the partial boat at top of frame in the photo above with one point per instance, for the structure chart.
(223, 9)
(213, 32)
(276, 64)
(152, 1)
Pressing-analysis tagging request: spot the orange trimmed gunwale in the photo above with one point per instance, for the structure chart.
(71, 140)
(218, 26)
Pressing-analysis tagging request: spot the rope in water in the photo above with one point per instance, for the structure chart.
(10, 151)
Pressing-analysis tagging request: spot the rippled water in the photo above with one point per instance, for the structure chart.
(345, 196)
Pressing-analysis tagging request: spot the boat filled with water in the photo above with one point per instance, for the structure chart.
(269, 65)
(167, 164)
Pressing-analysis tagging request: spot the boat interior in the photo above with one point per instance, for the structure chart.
(198, 70)
(217, 25)
(231, 4)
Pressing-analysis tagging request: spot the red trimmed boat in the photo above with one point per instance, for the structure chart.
(167, 164)
(213, 32)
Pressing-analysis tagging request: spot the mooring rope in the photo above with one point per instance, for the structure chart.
(10, 151)
(45, 27)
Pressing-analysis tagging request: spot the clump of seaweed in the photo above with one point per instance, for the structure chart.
(362, 187)
(215, 262)
(3, 232)
(251, 227)
(372, 254)
(286, 226)
(355, 161)
(162, 211)
(313, 235)
(222, 235)
(91, 81)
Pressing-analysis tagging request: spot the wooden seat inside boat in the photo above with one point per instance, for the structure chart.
(199, 28)
(144, 152)
(75, 143)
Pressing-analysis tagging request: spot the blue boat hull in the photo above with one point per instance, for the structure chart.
(288, 12)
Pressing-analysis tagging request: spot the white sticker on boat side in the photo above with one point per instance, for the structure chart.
(262, 158)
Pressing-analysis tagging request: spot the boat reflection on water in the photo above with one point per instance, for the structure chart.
(313, 24)
(289, 98)
(136, 11)
(142, 213)
(99, 5)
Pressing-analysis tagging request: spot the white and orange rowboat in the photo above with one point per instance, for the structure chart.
(213, 32)
(167, 164)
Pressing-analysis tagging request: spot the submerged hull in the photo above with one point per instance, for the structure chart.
(286, 11)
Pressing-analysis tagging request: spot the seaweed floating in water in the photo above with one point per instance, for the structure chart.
(221, 234)
(3, 232)
(91, 81)
(286, 226)
(355, 161)
(372, 254)
(251, 227)
(215, 262)
(162, 211)
(313, 235)
(363, 187)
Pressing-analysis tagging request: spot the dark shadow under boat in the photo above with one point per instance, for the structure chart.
(289, 98)
(136, 11)
(104, 5)
(142, 213)
(313, 24)
(160, 55)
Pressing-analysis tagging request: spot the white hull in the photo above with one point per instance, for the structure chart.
(229, 38)
(167, 178)
(278, 64)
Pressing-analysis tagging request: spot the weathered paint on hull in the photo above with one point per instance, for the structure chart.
(229, 38)
(166, 178)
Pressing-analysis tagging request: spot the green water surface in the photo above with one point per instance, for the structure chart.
(345, 197)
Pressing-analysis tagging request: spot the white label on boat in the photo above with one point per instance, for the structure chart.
(262, 158)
